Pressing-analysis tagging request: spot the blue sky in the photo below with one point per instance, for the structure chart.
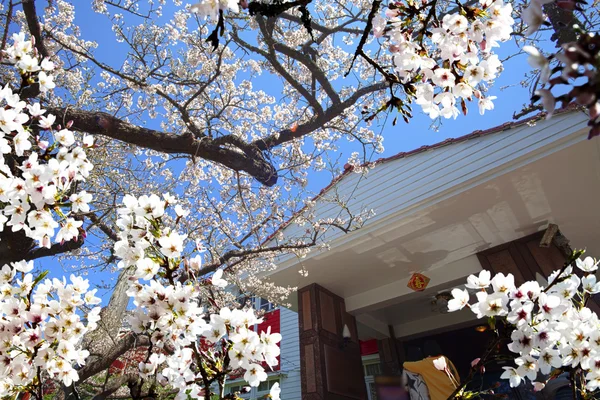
(403, 137)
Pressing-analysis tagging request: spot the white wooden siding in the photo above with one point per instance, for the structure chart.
(290, 355)
(398, 186)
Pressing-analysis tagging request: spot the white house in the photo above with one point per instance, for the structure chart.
(482, 200)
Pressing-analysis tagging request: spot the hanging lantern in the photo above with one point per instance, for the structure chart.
(418, 282)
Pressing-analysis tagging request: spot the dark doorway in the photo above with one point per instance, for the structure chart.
(462, 346)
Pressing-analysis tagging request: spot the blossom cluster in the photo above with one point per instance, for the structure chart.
(211, 8)
(38, 173)
(42, 323)
(552, 328)
(451, 60)
(169, 310)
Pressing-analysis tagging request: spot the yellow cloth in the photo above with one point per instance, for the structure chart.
(438, 383)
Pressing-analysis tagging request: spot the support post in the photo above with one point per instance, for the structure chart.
(331, 366)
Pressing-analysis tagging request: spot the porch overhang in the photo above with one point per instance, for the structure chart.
(436, 209)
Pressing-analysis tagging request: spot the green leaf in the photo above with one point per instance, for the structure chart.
(492, 323)
(39, 278)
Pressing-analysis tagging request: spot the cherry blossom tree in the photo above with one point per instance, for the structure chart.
(167, 165)
(549, 328)
(49, 327)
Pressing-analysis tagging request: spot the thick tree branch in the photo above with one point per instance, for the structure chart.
(34, 26)
(57, 248)
(248, 158)
(100, 362)
(563, 22)
(274, 9)
(9, 14)
(96, 221)
(104, 343)
(16, 246)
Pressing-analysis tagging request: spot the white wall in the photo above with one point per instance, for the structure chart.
(290, 355)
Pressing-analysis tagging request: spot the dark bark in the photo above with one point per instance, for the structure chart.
(100, 362)
(55, 249)
(97, 363)
(97, 221)
(242, 157)
(34, 26)
(15, 246)
(229, 150)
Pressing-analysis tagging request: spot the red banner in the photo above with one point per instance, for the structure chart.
(418, 282)
(368, 347)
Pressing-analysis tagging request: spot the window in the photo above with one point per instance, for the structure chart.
(372, 365)
(243, 300)
(265, 305)
(265, 386)
(372, 369)
(233, 389)
(236, 387)
(371, 391)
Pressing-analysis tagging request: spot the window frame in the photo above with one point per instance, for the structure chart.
(266, 307)
(270, 382)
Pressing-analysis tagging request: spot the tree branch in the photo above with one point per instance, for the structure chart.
(96, 221)
(272, 58)
(365, 35)
(562, 21)
(9, 13)
(306, 128)
(212, 267)
(100, 362)
(34, 26)
(56, 248)
(247, 158)
(312, 67)
(272, 249)
(322, 28)
(273, 9)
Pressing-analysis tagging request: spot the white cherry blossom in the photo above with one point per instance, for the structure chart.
(460, 298)
(479, 282)
(217, 279)
(550, 327)
(588, 264)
